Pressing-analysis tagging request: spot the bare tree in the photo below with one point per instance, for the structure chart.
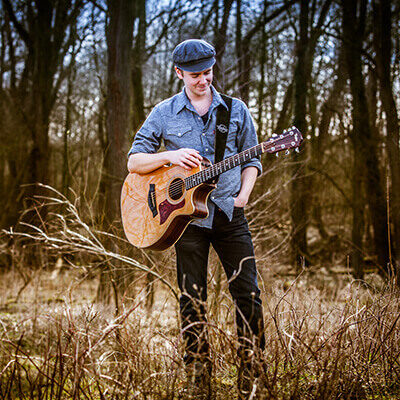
(382, 14)
(220, 37)
(44, 32)
(119, 41)
(243, 43)
(138, 60)
(365, 157)
(330, 107)
(300, 189)
(118, 106)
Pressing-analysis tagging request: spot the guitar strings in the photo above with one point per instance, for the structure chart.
(179, 187)
(213, 169)
(176, 187)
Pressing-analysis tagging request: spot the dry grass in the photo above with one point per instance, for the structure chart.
(327, 336)
(57, 344)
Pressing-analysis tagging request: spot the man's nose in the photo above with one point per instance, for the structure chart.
(203, 79)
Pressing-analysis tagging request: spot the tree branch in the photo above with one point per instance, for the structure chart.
(18, 26)
(261, 20)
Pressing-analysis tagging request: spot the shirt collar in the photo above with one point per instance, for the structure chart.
(182, 100)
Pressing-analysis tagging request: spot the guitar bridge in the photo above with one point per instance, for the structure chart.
(151, 199)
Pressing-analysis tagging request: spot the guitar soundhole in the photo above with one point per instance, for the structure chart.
(176, 189)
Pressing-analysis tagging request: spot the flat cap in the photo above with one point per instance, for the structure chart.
(194, 55)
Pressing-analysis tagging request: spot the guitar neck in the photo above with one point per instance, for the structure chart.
(224, 165)
(287, 140)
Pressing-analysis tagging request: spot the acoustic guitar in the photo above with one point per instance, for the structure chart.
(158, 206)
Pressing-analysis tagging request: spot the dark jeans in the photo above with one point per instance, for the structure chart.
(233, 244)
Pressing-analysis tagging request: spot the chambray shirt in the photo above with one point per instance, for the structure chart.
(176, 122)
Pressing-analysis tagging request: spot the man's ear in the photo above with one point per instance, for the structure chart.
(179, 73)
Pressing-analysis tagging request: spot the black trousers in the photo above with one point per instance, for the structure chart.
(232, 242)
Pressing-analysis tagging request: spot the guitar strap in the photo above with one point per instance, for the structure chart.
(222, 129)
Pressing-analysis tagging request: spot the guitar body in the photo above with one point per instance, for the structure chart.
(156, 208)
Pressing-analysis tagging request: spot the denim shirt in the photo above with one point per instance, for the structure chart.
(176, 122)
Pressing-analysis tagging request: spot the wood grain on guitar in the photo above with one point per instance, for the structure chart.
(157, 207)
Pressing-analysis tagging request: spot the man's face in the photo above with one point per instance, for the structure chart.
(197, 83)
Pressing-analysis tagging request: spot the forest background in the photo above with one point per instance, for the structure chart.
(78, 78)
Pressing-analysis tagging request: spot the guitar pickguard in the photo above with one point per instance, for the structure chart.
(166, 208)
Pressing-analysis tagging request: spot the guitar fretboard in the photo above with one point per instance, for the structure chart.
(287, 140)
(223, 166)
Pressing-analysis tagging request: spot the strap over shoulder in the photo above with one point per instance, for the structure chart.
(222, 128)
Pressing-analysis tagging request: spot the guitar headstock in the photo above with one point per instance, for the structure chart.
(288, 139)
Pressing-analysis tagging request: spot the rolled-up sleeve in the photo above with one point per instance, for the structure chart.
(247, 137)
(148, 137)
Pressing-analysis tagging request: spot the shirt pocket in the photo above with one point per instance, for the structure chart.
(178, 130)
(178, 136)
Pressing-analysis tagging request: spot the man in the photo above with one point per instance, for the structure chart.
(186, 123)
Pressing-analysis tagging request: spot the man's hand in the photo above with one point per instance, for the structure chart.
(185, 158)
(240, 201)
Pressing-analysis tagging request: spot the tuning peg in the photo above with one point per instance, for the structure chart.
(274, 135)
(277, 154)
(297, 150)
(287, 152)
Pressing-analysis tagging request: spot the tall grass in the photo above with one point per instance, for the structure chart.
(327, 336)
(346, 348)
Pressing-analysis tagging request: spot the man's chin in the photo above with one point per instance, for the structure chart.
(202, 91)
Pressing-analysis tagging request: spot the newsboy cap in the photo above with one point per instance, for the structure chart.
(194, 55)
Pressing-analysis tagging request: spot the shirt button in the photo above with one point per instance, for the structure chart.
(179, 134)
(206, 149)
(204, 134)
(199, 118)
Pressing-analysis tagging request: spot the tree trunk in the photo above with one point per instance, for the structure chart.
(260, 99)
(220, 34)
(285, 114)
(298, 192)
(241, 54)
(358, 206)
(67, 129)
(301, 184)
(383, 48)
(138, 58)
(45, 30)
(328, 110)
(118, 106)
(364, 143)
(119, 40)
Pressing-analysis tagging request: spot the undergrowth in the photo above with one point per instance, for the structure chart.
(69, 348)
(327, 336)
